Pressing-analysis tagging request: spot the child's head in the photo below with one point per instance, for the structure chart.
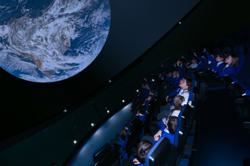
(176, 74)
(231, 59)
(219, 57)
(142, 150)
(185, 83)
(178, 100)
(172, 124)
(193, 61)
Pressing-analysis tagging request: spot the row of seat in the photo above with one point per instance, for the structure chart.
(146, 107)
(157, 95)
(147, 114)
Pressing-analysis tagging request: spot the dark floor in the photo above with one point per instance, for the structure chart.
(221, 139)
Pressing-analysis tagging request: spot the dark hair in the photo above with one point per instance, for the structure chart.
(188, 81)
(172, 124)
(221, 55)
(194, 58)
(142, 150)
(235, 58)
(177, 103)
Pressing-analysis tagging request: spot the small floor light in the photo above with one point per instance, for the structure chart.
(74, 141)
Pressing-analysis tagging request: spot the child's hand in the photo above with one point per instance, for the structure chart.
(157, 136)
(136, 161)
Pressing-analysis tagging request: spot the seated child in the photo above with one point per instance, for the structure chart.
(168, 131)
(143, 148)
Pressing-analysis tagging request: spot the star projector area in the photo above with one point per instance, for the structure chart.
(53, 42)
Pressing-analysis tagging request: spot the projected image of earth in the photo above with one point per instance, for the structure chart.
(51, 40)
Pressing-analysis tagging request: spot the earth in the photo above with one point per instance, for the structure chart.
(51, 40)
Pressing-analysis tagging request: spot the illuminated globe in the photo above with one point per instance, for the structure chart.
(51, 40)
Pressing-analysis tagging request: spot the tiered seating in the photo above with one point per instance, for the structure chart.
(171, 125)
(147, 104)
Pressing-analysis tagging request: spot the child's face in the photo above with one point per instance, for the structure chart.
(183, 84)
(219, 59)
(229, 60)
(177, 100)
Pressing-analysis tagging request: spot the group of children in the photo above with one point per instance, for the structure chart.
(161, 99)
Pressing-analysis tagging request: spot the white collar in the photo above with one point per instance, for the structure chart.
(184, 90)
(219, 63)
(175, 113)
(166, 130)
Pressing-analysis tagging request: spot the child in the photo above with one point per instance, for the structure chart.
(169, 131)
(142, 150)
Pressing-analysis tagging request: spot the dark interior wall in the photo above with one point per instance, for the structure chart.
(210, 21)
(135, 26)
